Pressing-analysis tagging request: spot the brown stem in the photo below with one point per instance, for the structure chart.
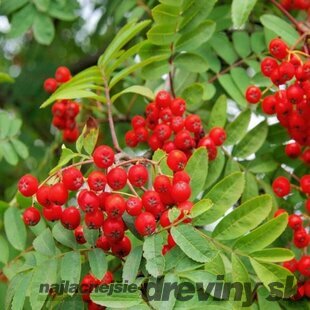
(289, 16)
(171, 71)
(110, 117)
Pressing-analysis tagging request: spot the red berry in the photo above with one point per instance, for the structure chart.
(58, 194)
(70, 135)
(185, 208)
(218, 135)
(281, 186)
(71, 218)
(279, 212)
(166, 115)
(164, 219)
(286, 71)
(154, 142)
(268, 65)
(180, 191)
(50, 85)
(163, 99)
(306, 156)
(59, 108)
(145, 223)
(115, 205)
(107, 278)
(138, 121)
(114, 229)
(176, 160)
(295, 94)
(166, 249)
(177, 123)
(72, 109)
(117, 178)
(278, 49)
(121, 248)
(79, 235)
(301, 238)
(193, 123)
(253, 94)
(31, 216)
(305, 184)
(62, 74)
(304, 265)
(295, 221)
(97, 181)
(94, 220)
(134, 206)
(42, 196)
(53, 213)
(183, 140)
(72, 178)
(293, 149)
(142, 134)
(103, 156)
(178, 106)
(169, 146)
(150, 200)
(208, 143)
(131, 138)
(291, 265)
(162, 184)
(138, 175)
(88, 201)
(269, 105)
(28, 185)
(103, 243)
(181, 176)
(162, 132)
(171, 241)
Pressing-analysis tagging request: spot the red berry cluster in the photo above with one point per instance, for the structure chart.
(301, 238)
(166, 126)
(64, 111)
(295, 4)
(102, 199)
(291, 101)
(89, 283)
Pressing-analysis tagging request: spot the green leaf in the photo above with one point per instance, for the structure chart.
(118, 299)
(64, 10)
(281, 28)
(244, 218)
(263, 164)
(43, 29)
(45, 273)
(250, 188)
(15, 228)
(89, 137)
(91, 235)
(240, 11)
(193, 39)
(231, 88)
(22, 21)
(240, 78)
(42, 5)
(4, 253)
(237, 129)
(70, 268)
(273, 255)
(173, 214)
(193, 96)
(262, 236)
(224, 195)
(71, 303)
(155, 261)
(136, 89)
(98, 263)
(64, 236)
(193, 244)
(200, 208)
(5, 78)
(191, 62)
(199, 276)
(166, 14)
(160, 155)
(258, 44)
(270, 273)
(197, 169)
(223, 47)
(9, 6)
(162, 34)
(242, 43)
(66, 156)
(20, 148)
(9, 153)
(132, 264)
(215, 169)
(252, 141)
(129, 31)
(44, 243)
(264, 303)
(218, 113)
(21, 291)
